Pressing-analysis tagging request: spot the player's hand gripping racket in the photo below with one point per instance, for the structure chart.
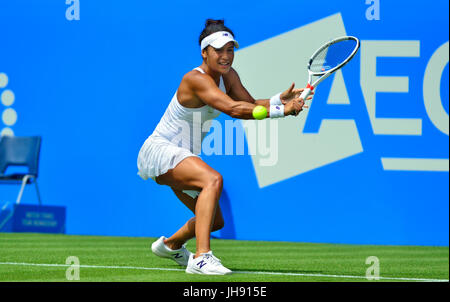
(329, 58)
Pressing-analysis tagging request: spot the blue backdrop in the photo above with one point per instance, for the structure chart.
(96, 87)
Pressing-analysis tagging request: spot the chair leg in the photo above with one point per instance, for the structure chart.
(24, 183)
(37, 191)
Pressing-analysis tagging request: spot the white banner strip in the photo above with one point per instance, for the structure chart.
(415, 164)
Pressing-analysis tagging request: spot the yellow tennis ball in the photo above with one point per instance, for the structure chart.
(259, 112)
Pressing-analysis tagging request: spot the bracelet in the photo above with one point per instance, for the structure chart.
(276, 111)
(275, 100)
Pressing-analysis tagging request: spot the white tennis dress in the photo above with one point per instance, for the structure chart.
(178, 135)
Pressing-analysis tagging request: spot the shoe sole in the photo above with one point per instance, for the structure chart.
(155, 251)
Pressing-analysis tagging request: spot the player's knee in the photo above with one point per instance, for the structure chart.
(215, 181)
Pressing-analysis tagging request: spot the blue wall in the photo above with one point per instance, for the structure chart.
(95, 88)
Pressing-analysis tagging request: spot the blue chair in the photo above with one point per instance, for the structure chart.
(20, 151)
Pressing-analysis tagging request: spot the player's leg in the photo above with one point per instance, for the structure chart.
(187, 231)
(173, 247)
(194, 174)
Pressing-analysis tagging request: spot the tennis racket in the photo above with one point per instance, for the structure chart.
(327, 59)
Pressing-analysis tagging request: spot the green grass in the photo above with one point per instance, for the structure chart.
(240, 256)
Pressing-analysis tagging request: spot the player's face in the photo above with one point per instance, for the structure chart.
(220, 59)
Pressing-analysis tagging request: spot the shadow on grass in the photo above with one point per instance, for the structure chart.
(243, 270)
(268, 271)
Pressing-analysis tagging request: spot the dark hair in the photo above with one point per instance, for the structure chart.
(212, 26)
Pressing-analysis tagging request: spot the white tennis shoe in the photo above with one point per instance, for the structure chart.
(206, 264)
(180, 256)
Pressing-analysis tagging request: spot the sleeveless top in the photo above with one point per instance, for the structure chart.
(186, 127)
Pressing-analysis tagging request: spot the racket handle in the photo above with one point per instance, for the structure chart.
(305, 94)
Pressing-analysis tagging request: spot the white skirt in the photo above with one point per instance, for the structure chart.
(158, 155)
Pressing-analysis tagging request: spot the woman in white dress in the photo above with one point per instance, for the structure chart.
(168, 155)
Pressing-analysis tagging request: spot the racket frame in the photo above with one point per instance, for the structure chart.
(325, 74)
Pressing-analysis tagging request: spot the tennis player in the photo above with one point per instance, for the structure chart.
(168, 157)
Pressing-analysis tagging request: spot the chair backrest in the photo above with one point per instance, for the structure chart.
(20, 151)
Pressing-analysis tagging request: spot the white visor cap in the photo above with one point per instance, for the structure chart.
(218, 40)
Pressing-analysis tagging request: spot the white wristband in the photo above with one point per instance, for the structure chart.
(276, 111)
(275, 100)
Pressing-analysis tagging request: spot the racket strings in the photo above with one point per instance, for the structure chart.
(317, 65)
(332, 56)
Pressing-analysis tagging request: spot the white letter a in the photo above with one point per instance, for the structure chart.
(73, 11)
(373, 12)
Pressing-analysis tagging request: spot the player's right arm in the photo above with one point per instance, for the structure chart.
(204, 87)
